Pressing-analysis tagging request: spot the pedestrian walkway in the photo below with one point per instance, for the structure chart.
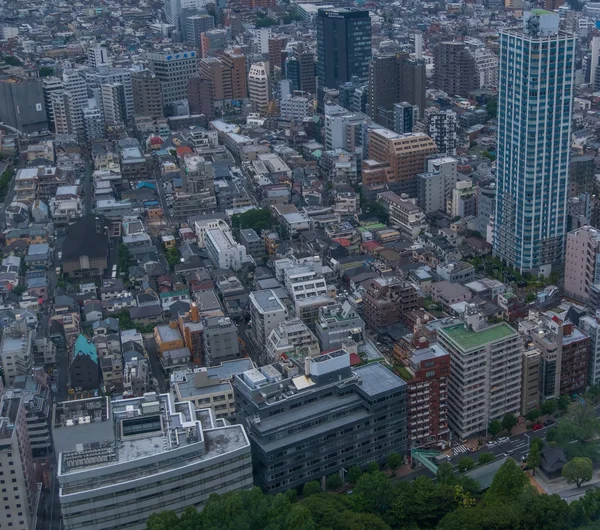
(457, 450)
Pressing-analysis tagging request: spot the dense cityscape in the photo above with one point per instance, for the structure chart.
(268, 264)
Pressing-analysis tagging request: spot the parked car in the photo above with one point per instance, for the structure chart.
(491, 443)
(503, 440)
(547, 423)
(537, 427)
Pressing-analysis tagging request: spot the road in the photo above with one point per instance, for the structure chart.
(155, 367)
(87, 185)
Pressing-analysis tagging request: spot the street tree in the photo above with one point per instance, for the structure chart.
(578, 471)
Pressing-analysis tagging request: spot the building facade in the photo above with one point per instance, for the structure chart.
(536, 66)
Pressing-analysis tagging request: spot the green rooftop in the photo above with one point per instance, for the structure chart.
(541, 12)
(470, 340)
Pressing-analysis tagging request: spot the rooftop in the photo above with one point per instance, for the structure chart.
(467, 339)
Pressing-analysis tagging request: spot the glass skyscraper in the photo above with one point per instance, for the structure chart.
(343, 46)
(535, 97)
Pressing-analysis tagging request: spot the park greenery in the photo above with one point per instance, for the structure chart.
(380, 502)
(5, 179)
(258, 219)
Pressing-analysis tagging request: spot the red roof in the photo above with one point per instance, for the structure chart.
(342, 241)
(354, 359)
(370, 246)
(184, 150)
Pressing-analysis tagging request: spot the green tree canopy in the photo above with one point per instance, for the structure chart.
(485, 458)
(509, 482)
(394, 461)
(509, 422)
(258, 219)
(466, 463)
(310, 488)
(495, 427)
(578, 471)
(549, 406)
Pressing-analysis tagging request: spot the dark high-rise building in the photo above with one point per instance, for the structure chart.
(276, 53)
(200, 97)
(454, 69)
(193, 26)
(393, 79)
(22, 104)
(147, 94)
(300, 70)
(343, 46)
(292, 72)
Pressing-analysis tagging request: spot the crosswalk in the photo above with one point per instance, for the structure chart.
(458, 449)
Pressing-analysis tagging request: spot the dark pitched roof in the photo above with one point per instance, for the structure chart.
(145, 311)
(86, 237)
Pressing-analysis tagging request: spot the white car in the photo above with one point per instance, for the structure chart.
(503, 440)
(491, 443)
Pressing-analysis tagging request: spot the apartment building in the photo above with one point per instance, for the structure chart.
(582, 262)
(220, 340)
(590, 325)
(403, 215)
(530, 391)
(427, 373)
(266, 313)
(292, 339)
(485, 380)
(259, 86)
(121, 461)
(224, 251)
(338, 323)
(295, 436)
(387, 300)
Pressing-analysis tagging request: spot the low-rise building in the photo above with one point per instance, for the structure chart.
(292, 339)
(338, 323)
(220, 340)
(224, 251)
(403, 214)
(266, 313)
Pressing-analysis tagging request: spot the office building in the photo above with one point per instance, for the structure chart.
(113, 103)
(173, 72)
(387, 301)
(426, 371)
(464, 200)
(114, 76)
(174, 8)
(530, 387)
(121, 461)
(93, 121)
(434, 188)
(23, 105)
(209, 387)
(582, 170)
(20, 493)
(392, 79)
(300, 70)
(337, 324)
(220, 340)
(582, 262)
(292, 339)
(404, 154)
(195, 25)
(266, 313)
(533, 154)
(98, 56)
(455, 71)
(594, 58)
(442, 128)
(294, 108)
(405, 117)
(200, 97)
(485, 379)
(147, 94)
(276, 54)
(259, 86)
(295, 437)
(213, 41)
(343, 46)
(255, 246)
(227, 75)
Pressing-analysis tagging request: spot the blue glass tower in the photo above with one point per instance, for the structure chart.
(535, 99)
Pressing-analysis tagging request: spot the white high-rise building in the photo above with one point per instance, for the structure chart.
(259, 87)
(49, 85)
(113, 103)
(441, 127)
(105, 75)
(595, 57)
(67, 104)
(262, 36)
(93, 121)
(98, 56)
(173, 8)
(535, 101)
(174, 71)
(486, 64)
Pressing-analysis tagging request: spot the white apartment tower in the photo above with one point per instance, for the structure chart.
(535, 102)
(98, 56)
(259, 87)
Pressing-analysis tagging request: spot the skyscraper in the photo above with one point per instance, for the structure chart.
(343, 46)
(174, 71)
(259, 87)
(534, 125)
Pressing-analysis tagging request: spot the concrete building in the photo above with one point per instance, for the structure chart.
(292, 339)
(582, 262)
(220, 340)
(456, 272)
(296, 438)
(22, 105)
(147, 94)
(442, 128)
(276, 47)
(486, 66)
(224, 251)
(117, 459)
(98, 56)
(213, 41)
(173, 72)
(51, 84)
(533, 155)
(464, 200)
(337, 324)
(195, 25)
(405, 155)
(266, 313)
(455, 71)
(427, 373)
(387, 300)
(405, 117)
(590, 325)
(255, 246)
(485, 380)
(227, 75)
(114, 106)
(434, 188)
(530, 387)
(259, 86)
(403, 215)
(294, 108)
(16, 351)
(21, 494)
